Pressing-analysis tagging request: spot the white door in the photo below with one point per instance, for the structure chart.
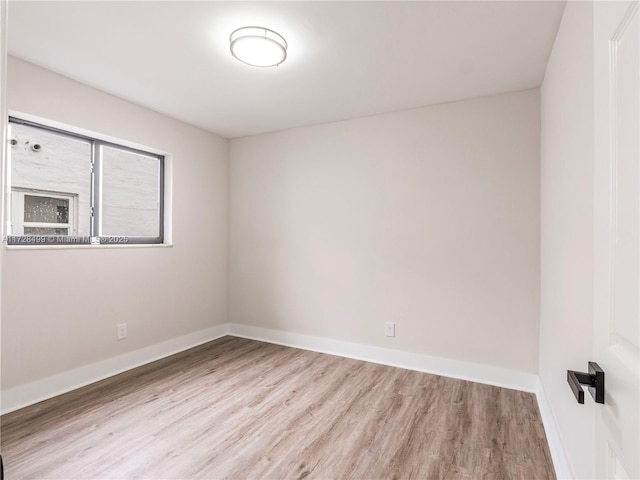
(617, 236)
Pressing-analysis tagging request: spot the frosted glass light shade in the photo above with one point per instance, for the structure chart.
(258, 46)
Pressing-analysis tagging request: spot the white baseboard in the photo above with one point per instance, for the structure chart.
(34, 392)
(39, 390)
(424, 363)
(558, 452)
(497, 376)
(30, 393)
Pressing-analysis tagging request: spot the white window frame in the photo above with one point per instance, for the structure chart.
(17, 211)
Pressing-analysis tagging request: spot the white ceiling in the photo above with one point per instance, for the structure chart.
(345, 59)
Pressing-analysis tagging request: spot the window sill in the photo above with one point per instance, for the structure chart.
(87, 247)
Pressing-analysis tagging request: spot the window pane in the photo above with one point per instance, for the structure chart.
(49, 162)
(46, 209)
(45, 231)
(130, 193)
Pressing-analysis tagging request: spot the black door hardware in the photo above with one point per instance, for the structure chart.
(594, 379)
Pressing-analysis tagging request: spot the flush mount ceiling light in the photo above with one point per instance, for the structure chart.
(258, 46)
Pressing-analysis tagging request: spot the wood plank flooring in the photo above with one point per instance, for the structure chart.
(242, 409)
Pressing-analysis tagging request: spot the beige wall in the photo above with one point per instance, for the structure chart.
(566, 315)
(428, 218)
(61, 306)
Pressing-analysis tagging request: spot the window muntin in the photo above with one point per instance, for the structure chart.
(72, 189)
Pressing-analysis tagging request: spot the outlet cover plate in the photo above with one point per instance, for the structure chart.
(122, 331)
(390, 329)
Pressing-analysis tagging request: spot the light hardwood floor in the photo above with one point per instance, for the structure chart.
(241, 409)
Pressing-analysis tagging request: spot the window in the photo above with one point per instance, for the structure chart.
(43, 213)
(72, 189)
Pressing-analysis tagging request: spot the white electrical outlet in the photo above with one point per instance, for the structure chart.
(122, 331)
(390, 329)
